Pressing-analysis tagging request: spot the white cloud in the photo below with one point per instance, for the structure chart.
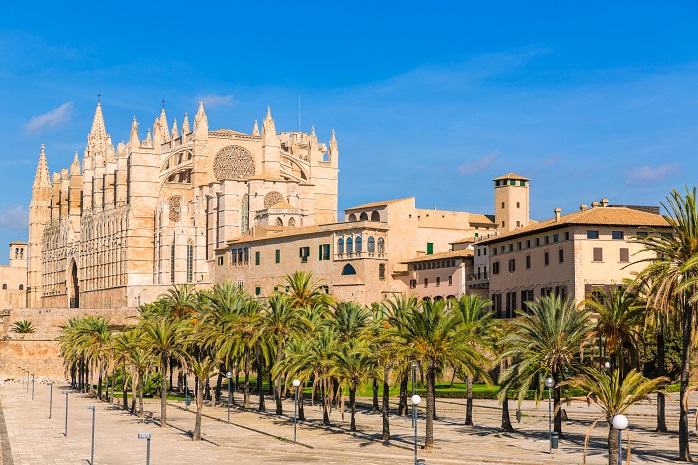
(215, 100)
(650, 174)
(15, 218)
(478, 165)
(53, 118)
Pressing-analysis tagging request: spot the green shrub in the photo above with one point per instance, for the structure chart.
(23, 327)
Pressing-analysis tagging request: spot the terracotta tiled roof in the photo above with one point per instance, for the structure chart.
(377, 204)
(597, 216)
(481, 219)
(511, 176)
(440, 256)
(466, 240)
(267, 232)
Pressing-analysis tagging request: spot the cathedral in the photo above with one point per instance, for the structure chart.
(129, 221)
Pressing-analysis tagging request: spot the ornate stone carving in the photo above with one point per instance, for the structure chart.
(174, 204)
(233, 162)
(272, 198)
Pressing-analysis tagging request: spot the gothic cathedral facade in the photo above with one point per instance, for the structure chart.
(135, 219)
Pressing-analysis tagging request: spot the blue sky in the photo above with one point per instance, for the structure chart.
(432, 99)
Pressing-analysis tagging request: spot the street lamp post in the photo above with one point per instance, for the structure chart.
(66, 413)
(229, 375)
(32, 386)
(186, 391)
(50, 400)
(414, 381)
(549, 383)
(92, 453)
(296, 383)
(416, 400)
(147, 454)
(620, 422)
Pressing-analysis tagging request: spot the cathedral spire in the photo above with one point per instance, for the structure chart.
(175, 132)
(268, 128)
(201, 122)
(164, 128)
(255, 129)
(42, 177)
(313, 136)
(98, 139)
(134, 133)
(185, 125)
(75, 166)
(334, 151)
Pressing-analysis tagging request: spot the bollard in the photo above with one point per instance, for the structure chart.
(554, 440)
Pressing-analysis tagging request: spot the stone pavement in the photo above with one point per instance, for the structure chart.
(254, 438)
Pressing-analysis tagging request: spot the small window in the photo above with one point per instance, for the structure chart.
(537, 241)
(512, 265)
(518, 204)
(592, 234)
(381, 271)
(502, 207)
(478, 252)
(340, 245)
(324, 252)
(597, 254)
(304, 253)
(546, 259)
(561, 255)
(494, 251)
(495, 267)
(220, 261)
(511, 247)
(430, 248)
(350, 245)
(567, 235)
(624, 255)
(503, 223)
(21, 287)
(256, 257)
(381, 245)
(518, 246)
(528, 262)
(642, 234)
(277, 254)
(547, 240)
(357, 244)
(4, 286)
(348, 269)
(528, 244)
(556, 238)
(257, 290)
(426, 282)
(371, 244)
(617, 235)
(518, 224)
(413, 283)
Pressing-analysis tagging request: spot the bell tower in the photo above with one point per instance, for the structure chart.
(511, 209)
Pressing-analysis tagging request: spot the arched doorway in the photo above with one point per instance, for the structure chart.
(73, 286)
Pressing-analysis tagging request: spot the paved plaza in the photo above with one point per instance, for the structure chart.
(254, 438)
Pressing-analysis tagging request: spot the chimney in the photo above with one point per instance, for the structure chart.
(583, 207)
(604, 202)
(594, 204)
(557, 214)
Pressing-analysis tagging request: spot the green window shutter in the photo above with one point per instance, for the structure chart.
(300, 252)
(256, 258)
(257, 290)
(320, 252)
(278, 256)
(430, 248)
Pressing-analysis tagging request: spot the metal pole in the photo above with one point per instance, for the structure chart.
(414, 381)
(620, 447)
(414, 421)
(186, 392)
(32, 386)
(295, 413)
(66, 414)
(550, 422)
(147, 455)
(92, 453)
(228, 400)
(50, 401)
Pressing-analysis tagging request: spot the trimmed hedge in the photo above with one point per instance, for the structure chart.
(451, 393)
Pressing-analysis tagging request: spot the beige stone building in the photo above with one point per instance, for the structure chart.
(379, 250)
(13, 278)
(129, 220)
(585, 252)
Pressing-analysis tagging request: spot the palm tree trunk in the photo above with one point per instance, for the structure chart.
(246, 389)
(557, 418)
(99, 381)
(134, 391)
(260, 376)
(376, 407)
(199, 408)
(402, 407)
(352, 405)
(612, 445)
(325, 400)
(140, 394)
(661, 400)
(301, 410)
(431, 404)
(113, 383)
(124, 386)
(386, 402)
(237, 382)
(163, 390)
(684, 454)
(279, 405)
(506, 421)
(469, 401)
(219, 384)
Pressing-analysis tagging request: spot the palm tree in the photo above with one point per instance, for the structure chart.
(306, 292)
(547, 341)
(280, 321)
(180, 300)
(23, 327)
(203, 366)
(478, 320)
(618, 326)
(672, 271)
(165, 338)
(349, 320)
(353, 365)
(433, 336)
(613, 395)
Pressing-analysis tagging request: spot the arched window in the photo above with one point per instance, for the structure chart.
(363, 217)
(190, 261)
(352, 217)
(350, 245)
(246, 252)
(235, 256)
(375, 216)
(279, 222)
(371, 244)
(348, 269)
(240, 255)
(357, 241)
(340, 245)
(245, 214)
(4, 286)
(381, 245)
(292, 222)
(21, 287)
